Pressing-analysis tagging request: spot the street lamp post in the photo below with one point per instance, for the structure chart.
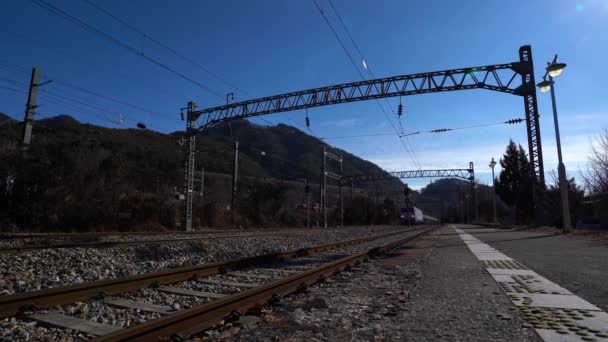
(555, 69)
(492, 164)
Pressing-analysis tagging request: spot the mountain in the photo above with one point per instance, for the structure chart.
(5, 118)
(59, 120)
(83, 175)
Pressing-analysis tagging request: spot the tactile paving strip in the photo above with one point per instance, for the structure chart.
(503, 264)
(555, 313)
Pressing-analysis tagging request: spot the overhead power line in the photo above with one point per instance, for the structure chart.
(176, 53)
(369, 70)
(437, 130)
(57, 11)
(352, 61)
(163, 45)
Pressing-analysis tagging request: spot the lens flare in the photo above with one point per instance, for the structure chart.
(579, 8)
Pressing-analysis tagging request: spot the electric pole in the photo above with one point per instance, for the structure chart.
(202, 183)
(235, 173)
(189, 157)
(30, 108)
(307, 191)
(324, 188)
(341, 195)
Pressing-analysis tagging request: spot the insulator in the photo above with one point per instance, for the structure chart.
(229, 130)
(141, 125)
(307, 121)
(182, 115)
(514, 121)
(400, 109)
(307, 189)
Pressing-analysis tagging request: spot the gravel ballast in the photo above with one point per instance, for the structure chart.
(48, 268)
(408, 295)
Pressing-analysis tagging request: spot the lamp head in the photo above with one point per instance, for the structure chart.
(544, 86)
(556, 69)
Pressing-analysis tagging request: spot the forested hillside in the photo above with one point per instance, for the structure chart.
(81, 176)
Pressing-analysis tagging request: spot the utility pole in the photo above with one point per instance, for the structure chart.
(202, 184)
(341, 196)
(474, 190)
(307, 191)
(190, 156)
(30, 107)
(235, 173)
(492, 165)
(324, 188)
(319, 210)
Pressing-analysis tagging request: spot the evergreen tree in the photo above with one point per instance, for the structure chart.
(514, 184)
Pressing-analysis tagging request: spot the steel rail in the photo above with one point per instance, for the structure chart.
(39, 299)
(185, 324)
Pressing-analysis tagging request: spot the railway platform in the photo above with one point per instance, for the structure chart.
(463, 283)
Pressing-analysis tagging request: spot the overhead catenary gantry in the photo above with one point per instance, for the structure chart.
(466, 174)
(519, 81)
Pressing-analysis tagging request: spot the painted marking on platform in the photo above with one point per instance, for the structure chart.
(555, 313)
(68, 322)
(557, 301)
(506, 271)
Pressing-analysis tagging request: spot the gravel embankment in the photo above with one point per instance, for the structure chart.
(49, 268)
(42, 240)
(97, 310)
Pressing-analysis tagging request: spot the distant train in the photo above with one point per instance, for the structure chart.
(413, 215)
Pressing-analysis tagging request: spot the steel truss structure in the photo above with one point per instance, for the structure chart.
(516, 78)
(466, 174)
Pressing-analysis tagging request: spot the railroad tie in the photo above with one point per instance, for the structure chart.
(131, 304)
(226, 283)
(68, 322)
(250, 275)
(193, 293)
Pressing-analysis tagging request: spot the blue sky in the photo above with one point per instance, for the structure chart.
(271, 47)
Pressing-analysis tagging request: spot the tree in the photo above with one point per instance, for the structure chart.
(596, 177)
(514, 184)
(554, 200)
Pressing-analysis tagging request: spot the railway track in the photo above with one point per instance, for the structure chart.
(218, 289)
